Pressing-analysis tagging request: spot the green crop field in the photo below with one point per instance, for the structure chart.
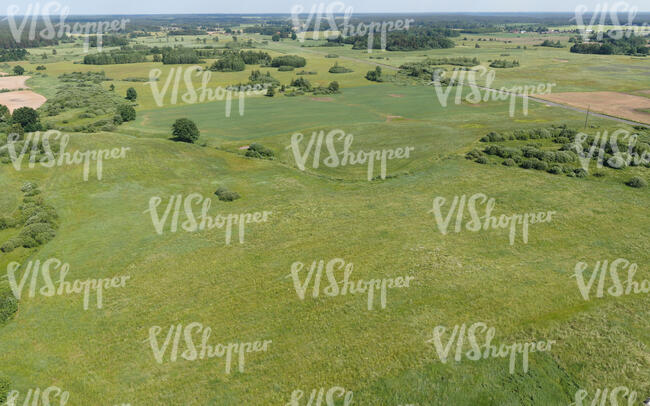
(521, 282)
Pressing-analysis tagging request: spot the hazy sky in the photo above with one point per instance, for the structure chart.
(285, 6)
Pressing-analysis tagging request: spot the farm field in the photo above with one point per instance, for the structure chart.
(261, 155)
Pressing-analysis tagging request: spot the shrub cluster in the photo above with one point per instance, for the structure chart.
(5, 387)
(230, 62)
(498, 63)
(37, 219)
(256, 150)
(289, 60)
(637, 182)
(226, 195)
(339, 69)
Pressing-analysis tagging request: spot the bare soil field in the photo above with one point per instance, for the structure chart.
(610, 103)
(23, 98)
(13, 82)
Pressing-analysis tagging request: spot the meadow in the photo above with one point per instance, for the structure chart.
(244, 292)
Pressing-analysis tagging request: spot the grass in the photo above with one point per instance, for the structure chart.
(242, 291)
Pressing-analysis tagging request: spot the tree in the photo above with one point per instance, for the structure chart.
(54, 52)
(28, 118)
(5, 115)
(270, 92)
(275, 38)
(131, 94)
(333, 87)
(127, 112)
(294, 36)
(374, 75)
(185, 130)
(111, 87)
(19, 70)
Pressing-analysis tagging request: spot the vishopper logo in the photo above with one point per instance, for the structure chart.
(320, 12)
(204, 351)
(52, 395)
(600, 14)
(343, 285)
(617, 286)
(590, 148)
(487, 221)
(607, 397)
(317, 396)
(51, 287)
(483, 351)
(345, 157)
(36, 14)
(459, 78)
(49, 150)
(203, 222)
(183, 77)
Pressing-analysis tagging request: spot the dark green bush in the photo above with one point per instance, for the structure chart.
(289, 60)
(127, 112)
(473, 154)
(8, 307)
(9, 246)
(509, 162)
(5, 386)
(226, 195)
(28, 187)
(6, 222)
(285, 68)
(339, 69)
(555, 170)
(637, 182)
(492, 137)
(185, 130)
(256, 150)
(580, 173)
(527, 163)
(540, 165)
(36, 234)
(482, 160)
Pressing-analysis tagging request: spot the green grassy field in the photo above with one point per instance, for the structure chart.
(242, 291)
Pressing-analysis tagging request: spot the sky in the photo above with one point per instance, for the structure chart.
(285, 6)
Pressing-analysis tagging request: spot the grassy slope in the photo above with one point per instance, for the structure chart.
(382, 227)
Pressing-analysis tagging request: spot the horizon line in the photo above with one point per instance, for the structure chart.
(306, 13)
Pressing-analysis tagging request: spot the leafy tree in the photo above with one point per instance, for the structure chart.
(185, 130)
(333, 87)
(374, 75)
(256, 150)
(5, 115)
(131, 94)
(229, 63)
(112, 87)
(276, 37)
(127, 112)
(28, 118)
(289, 60)
(19, 70)
(270, 92)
